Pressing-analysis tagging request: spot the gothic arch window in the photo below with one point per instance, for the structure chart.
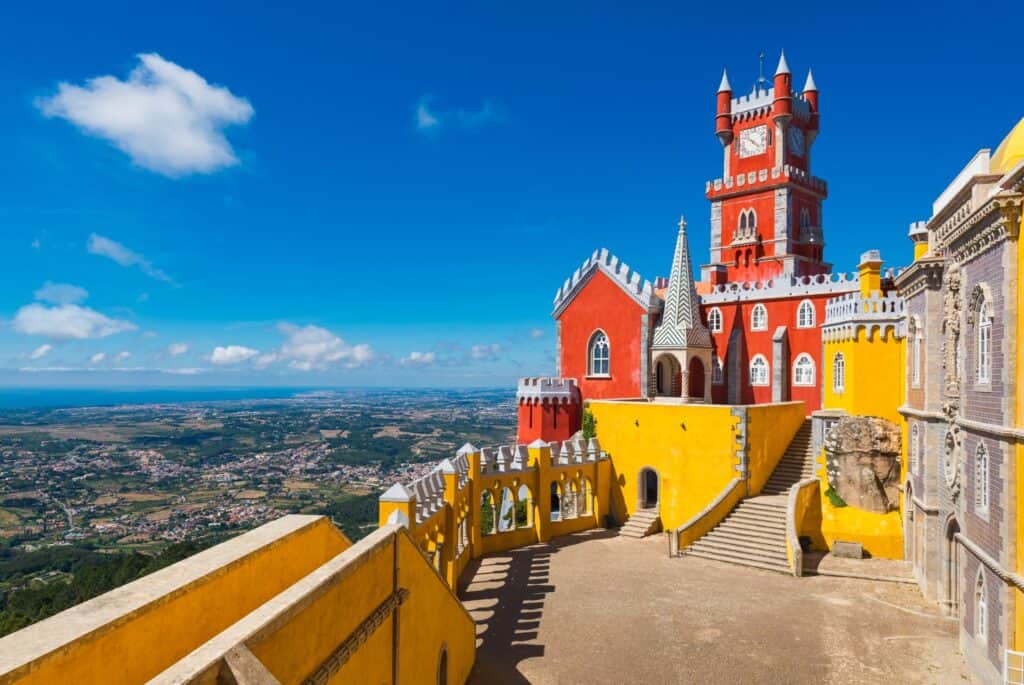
(983, 353)
(838, 372)
(980, 608)
(803, 370)
(981, 480)
(759, 370)
(759, 318)
(715, 320)
(599, 355)
(717, 374)
(915, 448)
(805, 315)
(805, 221)
(746, 225)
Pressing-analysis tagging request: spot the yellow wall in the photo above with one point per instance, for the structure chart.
(173, 624)
(1017, 639)
(704, 521)
(693, 447)
(872, 384)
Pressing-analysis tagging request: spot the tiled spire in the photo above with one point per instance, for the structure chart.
(681, 325)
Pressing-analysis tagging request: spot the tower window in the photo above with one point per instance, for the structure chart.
(715, 320)
(838, 373)
(981, 480)
(805, 315)
(803, 370)
(916, 350)
(759, 370)
(717, 375)
(984, 352)
(599, 355)
(759, 318)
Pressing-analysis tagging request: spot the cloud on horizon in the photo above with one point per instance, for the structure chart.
(166, 118)
(67, 322)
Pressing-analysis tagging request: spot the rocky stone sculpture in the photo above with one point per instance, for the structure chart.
(862, 458)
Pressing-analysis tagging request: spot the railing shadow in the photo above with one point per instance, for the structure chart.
(505, 593)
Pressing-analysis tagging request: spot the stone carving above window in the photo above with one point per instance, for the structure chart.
(951, 312)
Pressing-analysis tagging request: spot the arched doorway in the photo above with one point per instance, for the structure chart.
(647, 489)
(667, 376)
(952, 568)
(696, 380)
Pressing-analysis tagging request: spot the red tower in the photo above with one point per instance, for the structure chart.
(549, 409)
(766, 208)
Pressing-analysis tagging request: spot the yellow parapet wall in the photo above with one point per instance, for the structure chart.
(873, 367)
(695, 450)
(132, 633)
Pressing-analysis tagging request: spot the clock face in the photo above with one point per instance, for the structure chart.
(796, 141)
(753, 141)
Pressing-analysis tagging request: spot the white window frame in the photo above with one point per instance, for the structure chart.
(804, 382)
(715, 320)
(592, 359)
(981, 479)
(759, 308)
(983, 348)
(838, 373)
(755, 379)
(717, 371)
(917, 347)
(805, 306)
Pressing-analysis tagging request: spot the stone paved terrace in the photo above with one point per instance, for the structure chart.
(598, 608)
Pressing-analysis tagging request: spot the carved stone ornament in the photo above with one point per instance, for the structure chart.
(952, 307)
(951, 459)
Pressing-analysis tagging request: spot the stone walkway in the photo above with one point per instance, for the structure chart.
(597, 608)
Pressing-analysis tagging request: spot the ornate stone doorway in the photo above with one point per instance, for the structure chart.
(667, 377)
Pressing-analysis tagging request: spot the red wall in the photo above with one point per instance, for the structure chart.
(781, 312)
(603, 304)
(548, 421)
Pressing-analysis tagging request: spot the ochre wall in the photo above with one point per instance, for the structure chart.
(602, 304)
(173, 625)
(770, 429)
(874, 367)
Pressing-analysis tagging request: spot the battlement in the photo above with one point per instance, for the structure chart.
(759, 102)
(773, 176)
(629, 280)
(541, 390)
(847, 314)
(783, 286)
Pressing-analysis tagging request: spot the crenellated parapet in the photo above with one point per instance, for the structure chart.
(628, 279)
(542, 390)
(877, 315)
(784, 286)
(719, 187)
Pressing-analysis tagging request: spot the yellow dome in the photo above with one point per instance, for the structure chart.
(1010, 152)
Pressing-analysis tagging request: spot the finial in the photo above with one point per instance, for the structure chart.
(760, 71)
(682, 223)
(724, 86)
(809, 85)
(783, 68)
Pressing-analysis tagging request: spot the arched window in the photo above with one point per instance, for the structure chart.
(715, 320)
(838, 372)
(556, 502)
(984, 352)
(524, 507)
(917, 348)
(759, 370)
(487, 513)
(759, 318)
(915, 448)
(803, 370)
(805, 220)
(805, 315)
(981, 480)
(442, 667)
(717, 374)
(980, 608)
(506, 511)
(599, 355)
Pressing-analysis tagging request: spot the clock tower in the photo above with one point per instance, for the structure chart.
(766, 208)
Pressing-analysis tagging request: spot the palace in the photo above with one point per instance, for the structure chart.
(770, 411)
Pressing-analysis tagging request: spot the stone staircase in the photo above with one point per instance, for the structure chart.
(754, 532)
(641, 524)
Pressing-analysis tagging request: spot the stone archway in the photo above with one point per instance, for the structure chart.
(667, 376)
(696, 379)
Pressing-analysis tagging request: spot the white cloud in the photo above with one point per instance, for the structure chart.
(419, 359)
(431, 119)
(36, 244)
(187, 371)
(97, 358)
(485, 352)
(166, 118)
(61, 293)
(487, 113)
(537, 333)
(121, 356)
(232, 354)
(105, 247)
(312, 347)
(67, 321)
(425, 119)
(177, 349)
(40, 351)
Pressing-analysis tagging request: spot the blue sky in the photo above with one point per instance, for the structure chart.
(391, 194)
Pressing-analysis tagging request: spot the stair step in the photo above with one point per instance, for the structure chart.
(775, 537)
(769, 554)
(747, 526)
(779, 564)
(759, 516)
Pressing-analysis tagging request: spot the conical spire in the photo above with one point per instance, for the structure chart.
(724, 87)
(681, 325)
(810, 84)
(783, 68)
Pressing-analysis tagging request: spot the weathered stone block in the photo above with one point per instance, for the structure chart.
(862, 458)
(848, 550)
